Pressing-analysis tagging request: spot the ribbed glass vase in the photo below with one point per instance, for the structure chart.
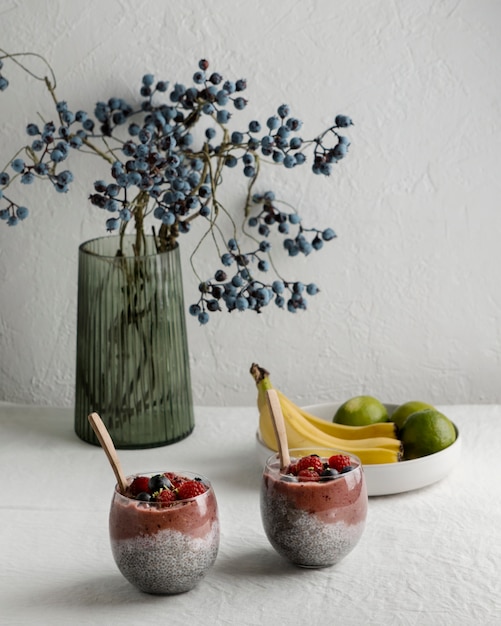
(132, 351)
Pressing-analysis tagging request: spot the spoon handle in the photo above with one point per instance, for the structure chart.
(107, 444)
(279, 426)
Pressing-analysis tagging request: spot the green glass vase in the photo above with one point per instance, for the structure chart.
(132, 364)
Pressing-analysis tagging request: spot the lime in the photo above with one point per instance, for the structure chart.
(361, 411)
(402, 412)
(426, 432)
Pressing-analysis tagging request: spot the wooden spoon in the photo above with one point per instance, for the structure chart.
(279, 426)
(107, 444)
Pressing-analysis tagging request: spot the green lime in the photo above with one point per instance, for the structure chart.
(402, 412)
(361, 411)
(426, 432)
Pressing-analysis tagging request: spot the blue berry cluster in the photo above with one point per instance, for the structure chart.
(158, 166)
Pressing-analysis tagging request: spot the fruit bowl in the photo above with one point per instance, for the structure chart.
(389, 478)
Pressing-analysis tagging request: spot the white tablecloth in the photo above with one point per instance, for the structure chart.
(427, 557)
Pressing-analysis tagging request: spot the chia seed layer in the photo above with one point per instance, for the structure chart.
(168, 561)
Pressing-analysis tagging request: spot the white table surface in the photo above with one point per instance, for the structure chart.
(431, 556)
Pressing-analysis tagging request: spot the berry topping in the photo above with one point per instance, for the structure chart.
(175, 479)
(312, 462)
(308, 474)
(158, 482)
(314, 468)
(138, 485)
(329, 472)
(339, 462)
(166, 496)
(166, 488)
(190, 489)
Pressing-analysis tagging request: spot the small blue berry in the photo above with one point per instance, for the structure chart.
(278, 286)
(32, 129)
(283, 110)
(203, 317)
(222, 98)
(27, 178)
(254, 126)
(342, 121)
(273, 122)
(199, 77)
(57, 156)
(22, 212)
(241, 303)
(17, 165)
(223, 116)
(112, 224)
(237, 137)
(328, 234)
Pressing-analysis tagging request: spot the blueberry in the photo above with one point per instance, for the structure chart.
(159, 481)
(144, 496)
(348, 468)
(328, 474)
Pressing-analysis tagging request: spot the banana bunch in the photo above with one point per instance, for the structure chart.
(373, 444)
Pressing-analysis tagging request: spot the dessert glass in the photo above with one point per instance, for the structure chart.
(313, 523)
(164, 549)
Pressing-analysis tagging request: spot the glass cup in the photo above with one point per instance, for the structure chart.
(313, 523)
(165, 548)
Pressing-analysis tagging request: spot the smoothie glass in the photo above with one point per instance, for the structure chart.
(164, 548)
(313, 523)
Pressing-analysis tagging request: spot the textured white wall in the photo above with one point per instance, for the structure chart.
(411, 293)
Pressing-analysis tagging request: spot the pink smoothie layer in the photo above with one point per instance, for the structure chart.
(130, 518)
(343, 498)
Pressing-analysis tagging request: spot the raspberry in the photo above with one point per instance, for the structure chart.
(166, 496)
(138, 485)
(292, 469)
(339, 462)
(190, 489)
(175, 479)
(308, 474)
(310, 462)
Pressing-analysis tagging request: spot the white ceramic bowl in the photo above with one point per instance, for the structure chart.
(388, 478)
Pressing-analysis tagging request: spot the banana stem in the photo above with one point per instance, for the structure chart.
(258, 373)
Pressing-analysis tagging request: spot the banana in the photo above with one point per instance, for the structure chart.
(381, 429)
(304, 433)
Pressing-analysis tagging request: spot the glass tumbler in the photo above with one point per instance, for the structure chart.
(313, 522)
(164, 548)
